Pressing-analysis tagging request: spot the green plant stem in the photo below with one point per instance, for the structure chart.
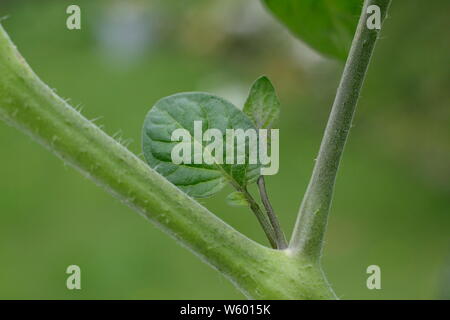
(311, 223)
(259, 272)
(279, 235)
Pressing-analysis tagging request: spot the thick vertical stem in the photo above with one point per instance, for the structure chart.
(311, 223)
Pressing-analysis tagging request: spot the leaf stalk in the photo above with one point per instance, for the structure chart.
(262, 218)
(279, 235)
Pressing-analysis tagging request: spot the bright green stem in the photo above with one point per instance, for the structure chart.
(259, 272)
(312, 220)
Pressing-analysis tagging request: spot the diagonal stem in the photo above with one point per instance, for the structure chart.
(311, 222)
(32, 107)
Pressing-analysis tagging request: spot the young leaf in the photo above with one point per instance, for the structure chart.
(237, 199)
(184, 111)
(262, 105)
(326, 25)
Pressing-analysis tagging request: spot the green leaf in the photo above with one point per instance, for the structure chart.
(262, 105)
(237, 199)
(326, 25)
(180, 111)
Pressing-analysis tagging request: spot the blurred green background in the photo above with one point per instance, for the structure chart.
(392, 202)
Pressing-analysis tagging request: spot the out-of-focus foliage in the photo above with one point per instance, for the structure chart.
(326, 25)
(392, 204)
